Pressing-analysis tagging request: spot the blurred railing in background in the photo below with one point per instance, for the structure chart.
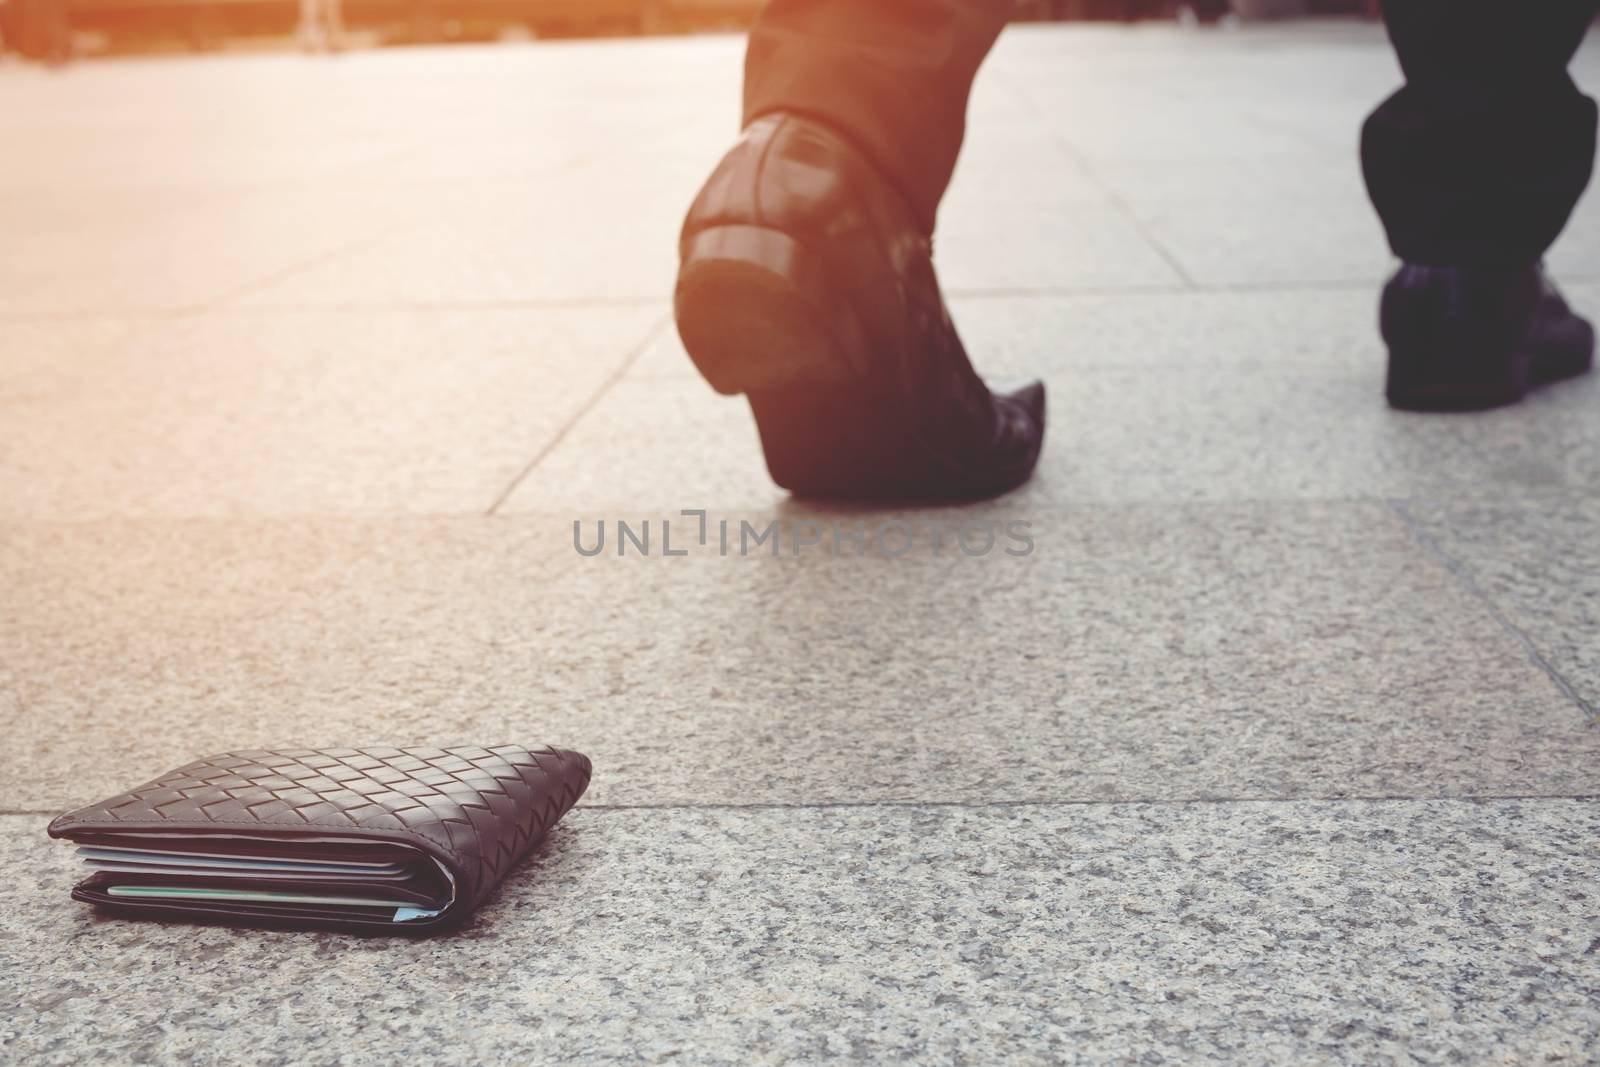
(1130, 10)
(59, 29)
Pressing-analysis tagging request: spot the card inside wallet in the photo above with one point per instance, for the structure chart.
(287, 877)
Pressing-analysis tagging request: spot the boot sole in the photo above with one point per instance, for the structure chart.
(1418, 380)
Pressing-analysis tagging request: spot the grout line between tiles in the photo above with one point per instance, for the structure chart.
(1044, 292)
(1468, 582)
(748, 507)
(1143, 802)
(1056, 292)
(1113, 196)
(1150, 802)
(1133, 219)
(227, 296)
(556, 303)
(589, 405)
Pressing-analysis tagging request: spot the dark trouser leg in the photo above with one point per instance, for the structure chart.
(1480, 158)
(893, 75)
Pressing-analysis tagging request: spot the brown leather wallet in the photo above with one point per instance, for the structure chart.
(371, 839)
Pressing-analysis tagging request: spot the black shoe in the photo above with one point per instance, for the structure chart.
(806, 284)
(1465, 339)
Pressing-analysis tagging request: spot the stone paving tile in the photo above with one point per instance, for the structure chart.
(1060, 335)
(165, 250)
(1538, 561)
(328, 413)
(601, 231)
(1155, 93)
(387, 117)
(1316, 330)
(987, 177)
(1244, 651)
(1228, 224)
(1288, 432)
(1018, 246)
(1147, 403)
(185, 152)
(1425, 931)
(647, 441)
(1236, 161)
(1154, 126)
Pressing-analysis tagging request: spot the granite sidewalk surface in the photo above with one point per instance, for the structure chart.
(1279, 745)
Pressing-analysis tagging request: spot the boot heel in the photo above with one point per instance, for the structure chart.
(1419, 380)
(756, 313)
(1442, 357)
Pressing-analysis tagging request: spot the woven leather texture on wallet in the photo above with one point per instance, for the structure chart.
(484, 807)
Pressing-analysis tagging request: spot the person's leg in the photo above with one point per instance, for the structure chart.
(1480, 158)
(335, 14)
(310, 27)
(806, 277)
(892, 75)
(1208, 12)
(1474, 167)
